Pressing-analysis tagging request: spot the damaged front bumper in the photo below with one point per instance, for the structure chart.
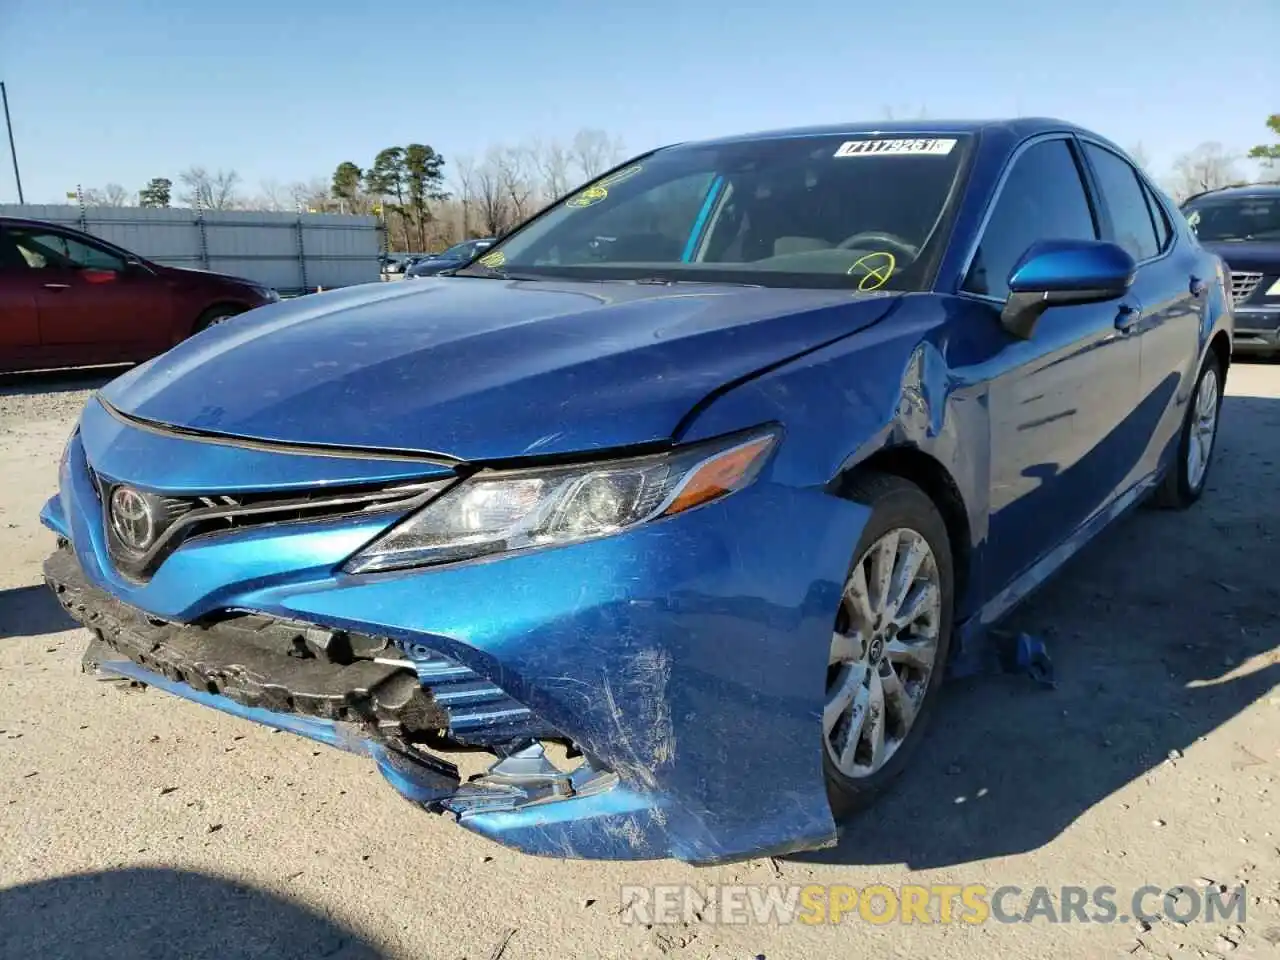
(682, 669)
(349, 691)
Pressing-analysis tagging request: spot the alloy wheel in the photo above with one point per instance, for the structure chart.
(1204, 427)
(883, 652)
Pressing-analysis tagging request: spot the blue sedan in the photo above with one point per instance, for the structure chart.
(682, 500)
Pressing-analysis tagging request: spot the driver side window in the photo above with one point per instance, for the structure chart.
(1043, 198)
(47, 250)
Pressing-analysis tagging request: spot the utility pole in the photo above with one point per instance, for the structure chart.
(13, 151)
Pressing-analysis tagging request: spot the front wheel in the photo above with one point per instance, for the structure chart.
(889, 646)
(214, 316)
(1185, 481)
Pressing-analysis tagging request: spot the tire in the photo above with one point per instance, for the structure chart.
(896, 505)
(1183, 484)
(215, 315)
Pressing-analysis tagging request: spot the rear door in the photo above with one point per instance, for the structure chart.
(1171, 294)
(19, 318)
(1058, 399)
(93, 307)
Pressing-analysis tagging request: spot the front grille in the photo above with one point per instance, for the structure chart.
(183, 518)
(1243, 285)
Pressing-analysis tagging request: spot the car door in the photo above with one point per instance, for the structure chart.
(19, 318)
(1171, 294)
(93, 306)
(1057, 398)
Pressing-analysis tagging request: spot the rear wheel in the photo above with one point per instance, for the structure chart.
(889, 646)
(1185, 481)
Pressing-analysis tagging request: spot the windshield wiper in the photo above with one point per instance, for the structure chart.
(671, 282)
(485, 272)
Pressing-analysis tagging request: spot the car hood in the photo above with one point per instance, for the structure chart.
(482, 369)
(201, 274)
(1262, 256)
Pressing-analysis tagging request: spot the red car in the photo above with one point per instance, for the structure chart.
(70, 299)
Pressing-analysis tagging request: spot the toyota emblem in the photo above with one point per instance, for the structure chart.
(132, 518)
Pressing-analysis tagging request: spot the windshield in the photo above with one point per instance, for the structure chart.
(462, 251)
(863, 212)
(1235, 218)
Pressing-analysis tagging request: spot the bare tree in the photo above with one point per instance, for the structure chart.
(1207, 167)
(594, 152)
(272, 195)
(310, 196)
(553, 164)
(112, 195)
(511, 165)
(1138, 154)
(210, 191)
(492, 203)
(464, 175)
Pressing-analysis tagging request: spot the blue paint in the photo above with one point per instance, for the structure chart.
(1073, 265)
(664, 650)
(695, 233)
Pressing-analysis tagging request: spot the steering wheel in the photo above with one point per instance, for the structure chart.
(876, 240)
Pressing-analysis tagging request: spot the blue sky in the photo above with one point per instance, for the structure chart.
(284, 90)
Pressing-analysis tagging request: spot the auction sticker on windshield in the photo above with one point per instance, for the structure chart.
(930, 147)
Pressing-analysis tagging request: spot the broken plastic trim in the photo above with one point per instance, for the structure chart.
(339, 692)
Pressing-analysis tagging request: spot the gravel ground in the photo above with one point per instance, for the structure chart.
(136, 825)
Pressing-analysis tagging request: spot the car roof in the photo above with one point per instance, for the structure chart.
(1270, 188)
(1017, 128)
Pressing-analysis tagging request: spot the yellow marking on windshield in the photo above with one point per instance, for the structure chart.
(495, 259)
(600, 189)
(587, 197)
(879, 268)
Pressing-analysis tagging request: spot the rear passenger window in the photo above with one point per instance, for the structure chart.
(1125, 201)
(1043, 198)
(1164, 231)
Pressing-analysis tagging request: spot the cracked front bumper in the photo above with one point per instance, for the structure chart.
(684, 659)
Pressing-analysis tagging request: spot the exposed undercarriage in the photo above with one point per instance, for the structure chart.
(410, 705)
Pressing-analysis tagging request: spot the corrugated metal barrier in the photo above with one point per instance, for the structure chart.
(292, 252)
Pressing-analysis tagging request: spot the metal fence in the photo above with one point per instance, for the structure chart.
(292, 252)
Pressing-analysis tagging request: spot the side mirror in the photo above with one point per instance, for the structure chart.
(1054, 273)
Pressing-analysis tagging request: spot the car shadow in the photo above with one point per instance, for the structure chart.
(1161, 630)
(32, 611)
(144, 913)
(60, 381)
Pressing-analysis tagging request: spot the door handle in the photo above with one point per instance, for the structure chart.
(1198, 287)
(57, 286)
(1127, 317)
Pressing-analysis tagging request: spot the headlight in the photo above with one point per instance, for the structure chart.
(271, 293)
(504, 511)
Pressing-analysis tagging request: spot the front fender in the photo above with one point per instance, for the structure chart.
(897, 384)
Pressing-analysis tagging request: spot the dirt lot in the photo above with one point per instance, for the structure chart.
(136, 825)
